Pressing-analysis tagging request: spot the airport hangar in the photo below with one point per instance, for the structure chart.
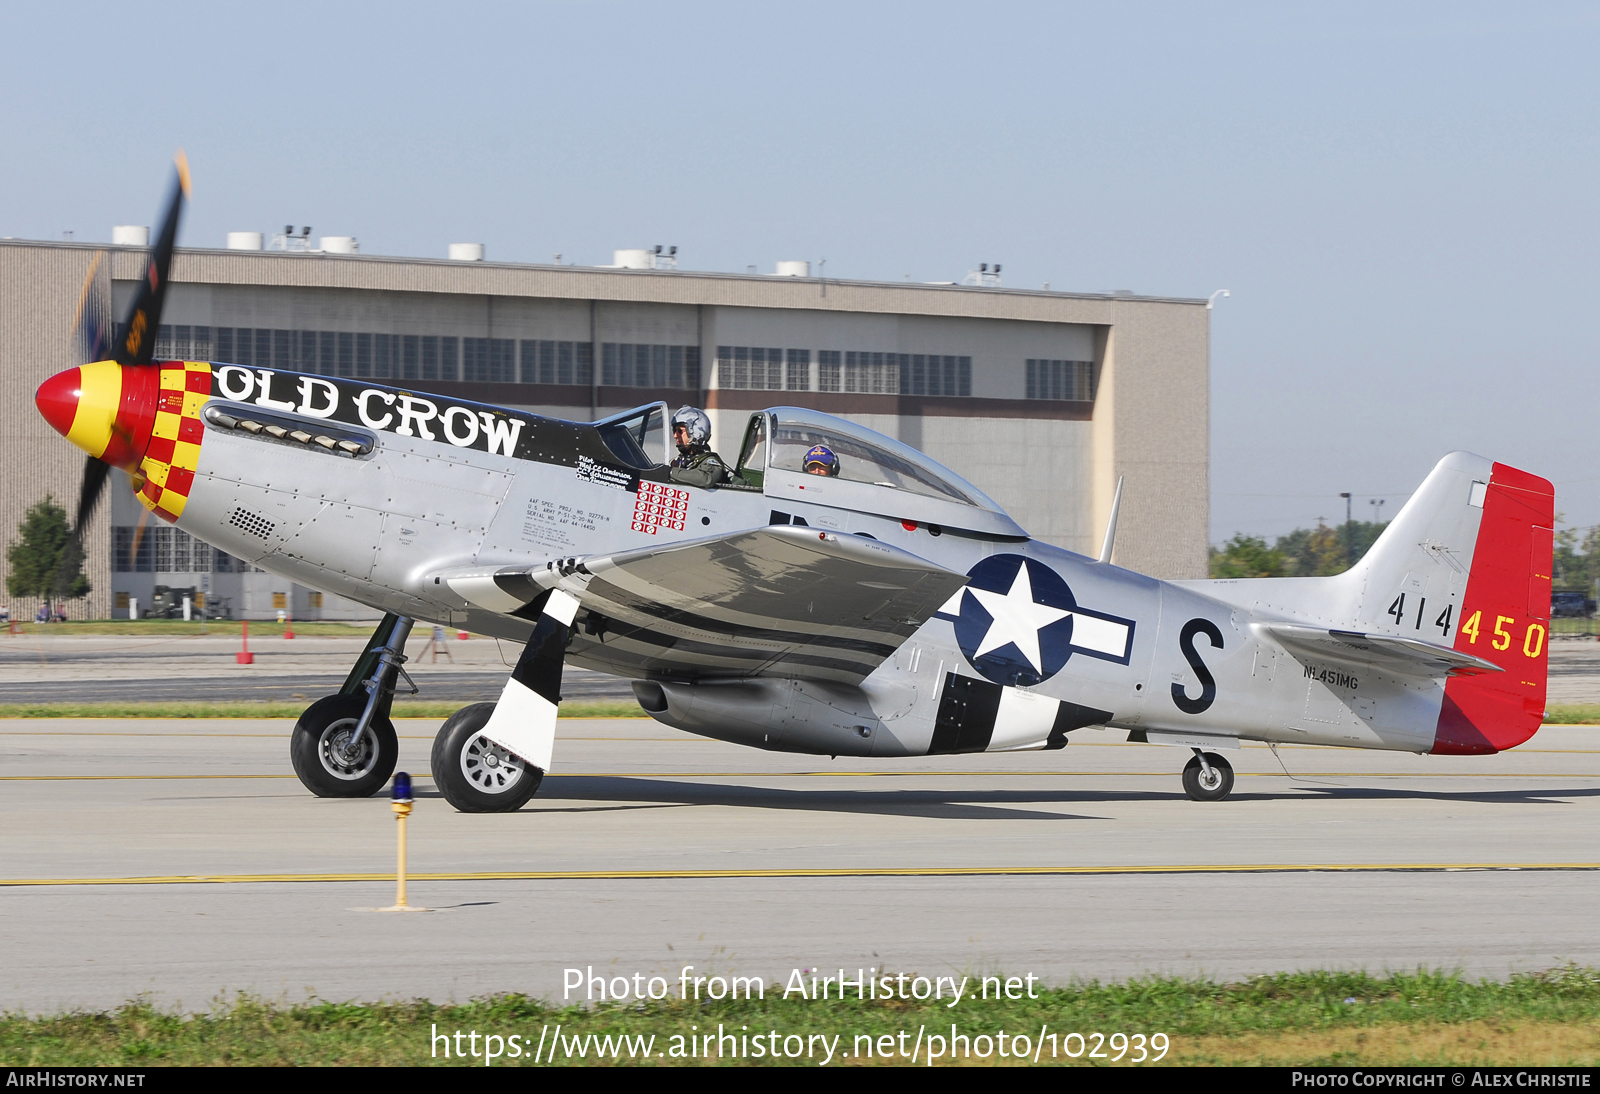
(1044, 400)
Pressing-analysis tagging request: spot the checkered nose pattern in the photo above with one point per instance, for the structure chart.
(143, 419)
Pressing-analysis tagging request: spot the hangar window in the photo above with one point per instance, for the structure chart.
(828, 368)
(935, 374)
(1072, 381)
(625, 364)
(159, 549)
(439, 358)
(132, 550)
(870, 372)
(797, 370)
(489, 360)
(181, 342)
(752, 368)
(384, 351)
(383, 356)
(545, 361)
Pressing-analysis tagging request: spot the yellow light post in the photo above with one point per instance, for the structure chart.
(400, 802)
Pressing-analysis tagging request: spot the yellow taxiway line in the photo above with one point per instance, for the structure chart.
(838, 872)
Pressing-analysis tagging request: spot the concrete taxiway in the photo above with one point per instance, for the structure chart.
(182, 860)
(37, 668)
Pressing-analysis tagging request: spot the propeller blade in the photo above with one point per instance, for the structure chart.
(144, 318)
(91, 327)
(94, 484)
(138, 533)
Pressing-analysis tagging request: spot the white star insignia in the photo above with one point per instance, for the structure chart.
(1017, 619)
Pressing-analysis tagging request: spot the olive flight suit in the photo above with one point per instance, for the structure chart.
(699, 467)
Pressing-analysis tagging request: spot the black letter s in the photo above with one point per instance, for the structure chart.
(1208, 683)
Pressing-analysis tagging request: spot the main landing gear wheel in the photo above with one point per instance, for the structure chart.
(1203, 785)
(326, 758)
(473, 773)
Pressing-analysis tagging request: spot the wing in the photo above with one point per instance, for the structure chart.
(1391, 653)
(777, 601)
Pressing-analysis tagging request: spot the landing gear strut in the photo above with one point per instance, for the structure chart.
(1207, 777)
(344, 745)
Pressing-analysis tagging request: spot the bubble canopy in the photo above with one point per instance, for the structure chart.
(877, 474)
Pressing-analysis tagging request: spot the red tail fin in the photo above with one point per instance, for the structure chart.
(1505, 618)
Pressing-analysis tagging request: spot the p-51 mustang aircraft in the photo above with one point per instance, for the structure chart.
(888, 608)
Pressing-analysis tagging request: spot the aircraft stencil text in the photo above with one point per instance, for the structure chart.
(1332, 677)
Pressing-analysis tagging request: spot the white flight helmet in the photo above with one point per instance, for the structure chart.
(696, 421)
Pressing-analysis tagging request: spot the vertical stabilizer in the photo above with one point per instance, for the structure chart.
(1466, 564)
(1504, 617)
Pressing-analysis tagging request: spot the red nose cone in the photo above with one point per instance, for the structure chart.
(57, 399)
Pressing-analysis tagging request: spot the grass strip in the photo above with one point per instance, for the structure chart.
(1547, 1018)
(267, 708)
(1572, 714)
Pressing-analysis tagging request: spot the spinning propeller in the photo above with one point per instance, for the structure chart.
(106, 405)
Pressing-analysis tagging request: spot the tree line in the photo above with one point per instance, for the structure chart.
(1305, 552)
(1577, 561)
(1327, 550)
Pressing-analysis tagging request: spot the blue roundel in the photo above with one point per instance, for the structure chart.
(1015, 625)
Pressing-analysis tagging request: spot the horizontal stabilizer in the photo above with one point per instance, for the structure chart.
(1389, 653)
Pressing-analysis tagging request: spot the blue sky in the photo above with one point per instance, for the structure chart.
(1400, 197)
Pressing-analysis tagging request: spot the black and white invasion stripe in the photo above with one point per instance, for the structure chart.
(981, 716)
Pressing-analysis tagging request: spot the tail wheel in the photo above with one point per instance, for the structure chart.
(1208, 786)
(328, 758)
(473, 773)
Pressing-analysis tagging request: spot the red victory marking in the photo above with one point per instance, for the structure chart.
(660, 506)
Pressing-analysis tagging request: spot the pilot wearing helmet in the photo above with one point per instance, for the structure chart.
(820, 460)
(696, 464)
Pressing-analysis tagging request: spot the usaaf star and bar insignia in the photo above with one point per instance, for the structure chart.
(174, 453)
(1017, 622)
